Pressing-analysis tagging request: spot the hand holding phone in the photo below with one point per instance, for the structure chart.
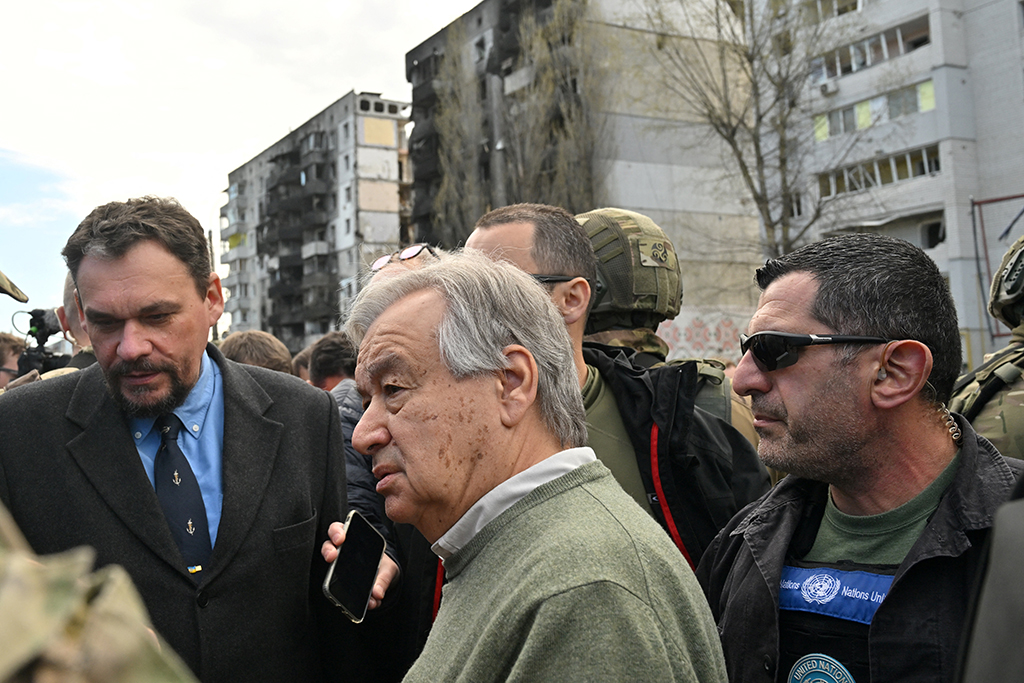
(350, 579)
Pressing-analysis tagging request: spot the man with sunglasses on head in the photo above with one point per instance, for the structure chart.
(689, 469)
(857, 566)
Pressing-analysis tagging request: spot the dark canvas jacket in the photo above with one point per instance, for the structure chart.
(697, 469)
(916, 631)
(399, 627)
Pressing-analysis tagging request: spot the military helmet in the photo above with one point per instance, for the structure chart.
(8, 287)
(1006, 298)
(639, 282)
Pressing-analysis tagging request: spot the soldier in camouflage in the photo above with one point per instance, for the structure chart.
(639, 286)
(60, 621)
(992, 396)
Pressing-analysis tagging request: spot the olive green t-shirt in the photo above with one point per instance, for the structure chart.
(607, 435)
(883, 539)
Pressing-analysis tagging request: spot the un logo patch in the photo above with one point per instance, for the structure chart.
(820, 588)
(818, 668)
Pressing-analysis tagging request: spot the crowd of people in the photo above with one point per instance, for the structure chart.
(558, 500)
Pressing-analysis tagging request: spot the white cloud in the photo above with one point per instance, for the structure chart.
(167, 97)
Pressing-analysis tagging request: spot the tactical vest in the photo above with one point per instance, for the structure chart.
(713, 387)
(973, 390)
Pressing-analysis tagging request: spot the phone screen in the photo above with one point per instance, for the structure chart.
(352, 574)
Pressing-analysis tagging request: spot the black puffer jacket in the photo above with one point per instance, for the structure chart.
(697, 469)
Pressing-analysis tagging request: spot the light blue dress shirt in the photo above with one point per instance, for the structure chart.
(202, 439)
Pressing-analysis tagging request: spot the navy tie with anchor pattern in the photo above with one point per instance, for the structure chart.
(180, 497)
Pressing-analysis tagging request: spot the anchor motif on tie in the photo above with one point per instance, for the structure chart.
(190, 529)
(177, 479)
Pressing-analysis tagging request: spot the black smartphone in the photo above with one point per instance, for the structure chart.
(354, 571)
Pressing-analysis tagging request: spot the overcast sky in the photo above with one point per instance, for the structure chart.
(105, 100)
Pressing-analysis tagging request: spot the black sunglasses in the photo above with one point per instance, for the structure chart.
(545, 279)
(774, 350)
(412, 251)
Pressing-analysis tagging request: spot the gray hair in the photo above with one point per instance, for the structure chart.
(488, 306)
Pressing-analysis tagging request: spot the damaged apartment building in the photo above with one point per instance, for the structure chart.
(304, 216)
(665, 166)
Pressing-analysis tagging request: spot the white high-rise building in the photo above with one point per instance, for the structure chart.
(929, 99)
(305, 215)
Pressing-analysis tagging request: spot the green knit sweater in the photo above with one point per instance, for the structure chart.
(573, 583)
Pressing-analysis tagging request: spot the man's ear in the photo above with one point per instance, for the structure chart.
(214, 299)
(902, 373)
(517, 385)
(80, 310)
(62, 316)
(572, 299)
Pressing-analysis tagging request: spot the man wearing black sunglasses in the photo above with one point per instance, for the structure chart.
(860, 562)
(689, 469)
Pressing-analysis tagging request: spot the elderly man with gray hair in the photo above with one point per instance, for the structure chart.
(476, 428)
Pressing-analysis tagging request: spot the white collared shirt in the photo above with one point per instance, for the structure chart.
(506, 494)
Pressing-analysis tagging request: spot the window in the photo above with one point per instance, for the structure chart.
(873, 50)
(378, 106)
(795, 206)
(932, 234)
(348, 193)
(844, 6)
(344, 131)
(867, 113)
(915, 34)
(902, 102)
(392, 108)
(346, 162)
(819, 10)
(348, 225)
(884, 171)
(364, 105)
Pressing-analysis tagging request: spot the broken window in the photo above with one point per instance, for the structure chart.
(884, 171)
(915, 34)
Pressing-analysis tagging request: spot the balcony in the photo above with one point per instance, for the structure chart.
(289, 176)
(239, 252)
(232, 229)
(290, 261)
(318, 280)
(237, 277)
(314, 218)
(313, 156)
(286, 318)
(425, 93)
(311, 249)
(279, 290)
(278, 205)
(314, 187)
(238, 303)
(290, 233)
(320, 309)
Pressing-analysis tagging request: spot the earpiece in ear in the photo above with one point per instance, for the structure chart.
(881, 373)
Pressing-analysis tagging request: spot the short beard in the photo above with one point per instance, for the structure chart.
(825, 445)
(134, 408)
